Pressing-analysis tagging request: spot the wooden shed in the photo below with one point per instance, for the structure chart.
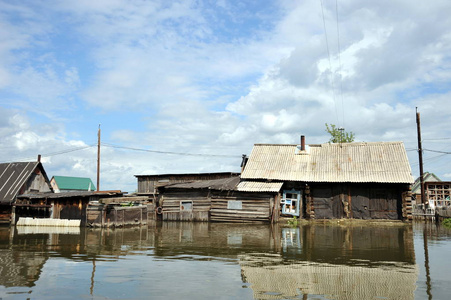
(326, 181)
(220, 200)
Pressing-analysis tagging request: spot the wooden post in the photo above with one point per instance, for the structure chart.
(420, 157)
(98, 159)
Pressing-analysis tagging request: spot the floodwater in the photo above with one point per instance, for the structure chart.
(227, 261)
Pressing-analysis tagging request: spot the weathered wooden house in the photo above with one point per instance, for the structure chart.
(325, 181)
(61, 184)
(149, 184)
(219, 200)
(21, 178)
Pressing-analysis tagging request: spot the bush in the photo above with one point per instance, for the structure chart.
(447, 222)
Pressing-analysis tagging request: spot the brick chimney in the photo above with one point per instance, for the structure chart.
(302, 143)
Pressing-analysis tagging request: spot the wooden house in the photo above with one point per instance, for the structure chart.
(325, 181)
(219, 200)
(149, 184)
(21, 178)
(71, 184)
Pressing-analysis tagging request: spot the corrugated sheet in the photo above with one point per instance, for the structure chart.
(216, 184)
(74, 183)
(382, 162)
(12, 177)
(254, 186)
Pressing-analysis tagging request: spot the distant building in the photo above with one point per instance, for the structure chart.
(149, 184)
(71, 184)
(416, 186)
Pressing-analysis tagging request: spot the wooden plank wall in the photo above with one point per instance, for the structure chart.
(172, 209)
(255, 207)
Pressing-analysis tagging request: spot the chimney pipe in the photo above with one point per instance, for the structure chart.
(39, 157)
(302, 143)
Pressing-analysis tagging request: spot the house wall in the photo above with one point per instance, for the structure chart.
(358, 201)
(196, 208)
(217, 206)
(242, 207)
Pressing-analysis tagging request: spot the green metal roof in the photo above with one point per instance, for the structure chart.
(74, 183)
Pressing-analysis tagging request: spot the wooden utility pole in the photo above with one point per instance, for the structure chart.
(420, 156)
(98, 159)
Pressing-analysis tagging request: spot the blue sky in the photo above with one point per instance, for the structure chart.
(215, 77)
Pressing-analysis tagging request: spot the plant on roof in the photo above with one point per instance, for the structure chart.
(339, 135)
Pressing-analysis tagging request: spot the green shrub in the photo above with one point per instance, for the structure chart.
(447, 222)
(293, 222)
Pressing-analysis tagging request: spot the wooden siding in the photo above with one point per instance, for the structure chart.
(255, 207)
(116, 216)
(172, 209)
(358, 202)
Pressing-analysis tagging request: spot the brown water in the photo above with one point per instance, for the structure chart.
(226, 261)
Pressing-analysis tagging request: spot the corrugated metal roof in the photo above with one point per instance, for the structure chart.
(215, 184)
(74, 183)
(12, 177)
(255, 186)
(383, 162)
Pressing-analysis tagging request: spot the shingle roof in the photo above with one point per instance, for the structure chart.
(12, 177)
(383, 162)
(74, 183)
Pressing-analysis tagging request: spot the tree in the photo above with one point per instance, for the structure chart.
(339, 135)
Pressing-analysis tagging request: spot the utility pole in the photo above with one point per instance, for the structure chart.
(420, 156)
(98, 159)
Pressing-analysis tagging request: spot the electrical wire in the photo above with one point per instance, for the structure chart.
(330, 62)
(168, 152)
(51, 154)
(339, 67)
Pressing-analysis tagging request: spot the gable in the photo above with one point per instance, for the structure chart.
(21, 177)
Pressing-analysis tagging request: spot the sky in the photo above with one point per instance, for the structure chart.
(191, 86)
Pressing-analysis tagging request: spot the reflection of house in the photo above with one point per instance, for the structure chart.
(149, 184)
(391, 281)
(20, 178)
(348, 180)
(221, 200)
(71, 184)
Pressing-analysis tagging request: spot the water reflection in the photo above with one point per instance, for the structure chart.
(270, 262)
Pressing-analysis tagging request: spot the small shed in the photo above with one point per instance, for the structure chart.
(71, 184)
(219, 200)
(348, 180)
(20, 178)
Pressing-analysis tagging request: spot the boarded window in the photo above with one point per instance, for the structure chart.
(235, 205)
(186, 205)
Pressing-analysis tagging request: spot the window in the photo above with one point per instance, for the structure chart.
(291, 202)
(186, 205)
(234, 204)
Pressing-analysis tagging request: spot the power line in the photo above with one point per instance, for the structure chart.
(437, 151)
(169, 152)
(339, 66)
(330, 62)
(54, 153)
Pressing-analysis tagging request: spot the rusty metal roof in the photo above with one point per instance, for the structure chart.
(255, 186)
(215, 184)
(12, 177)
(382, 162)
